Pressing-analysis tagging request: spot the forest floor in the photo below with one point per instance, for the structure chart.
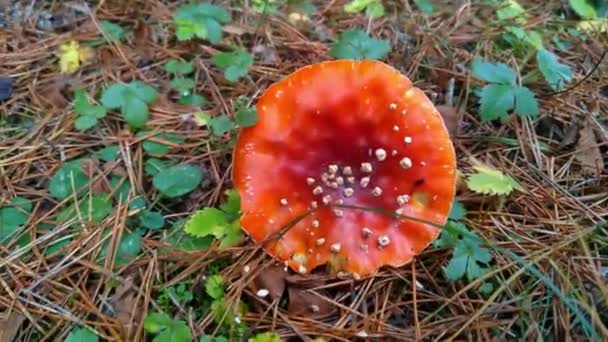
(118, 120)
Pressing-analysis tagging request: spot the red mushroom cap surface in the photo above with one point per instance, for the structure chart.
(351, 133)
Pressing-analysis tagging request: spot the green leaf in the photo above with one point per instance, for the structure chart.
(128, 248)
(246, 116)
(584, 9)
(153, 166)
(207, 221)
(156, 148)
(85, 122)
(177, 332)
(232, 206)
(486, 288)
(356, 44)
(157, 321)
(113, 96)
(135, 112)
(200, 20)
(491, 181)
(142, 91)
(122, 193)
(232, 235)
(176, 66)
(496, 100)
(178, 238)
(450, 234)
(60, 185)
(108, 153)
(456, 268)
(220, 125)
(183, 85)
(511, 10)
(458, 212)
(556, 74)
(425, 6)
(177, 180)
(151, 219)
(373, 8)
(525, 102)
(114, 31)
(192, 100)
(235, 64)
(81, 335)
(265, 337)
(12, 217)
(493, 72)
(215, 286)
(91, 209)
(264, 6)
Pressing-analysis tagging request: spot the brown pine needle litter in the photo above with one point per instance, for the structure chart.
(549, 242)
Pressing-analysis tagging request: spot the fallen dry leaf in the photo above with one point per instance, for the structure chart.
(142, 40)
(9, 326)
(450, 117)
(588, 152)
(125, 308)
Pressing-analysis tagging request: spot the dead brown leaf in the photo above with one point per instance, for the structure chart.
(588, 152)
(451, 118)
(142, 41)
(125, 307)
(10, 325)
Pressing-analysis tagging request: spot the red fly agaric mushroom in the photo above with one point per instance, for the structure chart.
(333, 137)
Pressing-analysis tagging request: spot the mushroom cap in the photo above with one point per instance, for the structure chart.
(322, 127)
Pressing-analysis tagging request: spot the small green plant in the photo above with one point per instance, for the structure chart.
(222, 223)
(265, 337)
(356, 44)
(90, 209)
(108, 153)
(177, 180)
(151, 219)
(179, 293)
(81, 335)
(88, 114)
(114, 31)
(502, 94)
(245, 116)
(556, 74)
(128, 248)
(265, 6)
(158, 147)
(166, 328)
(70, 177)
(373, 8)
(491, 181)
(132, 99)
(182, 83)
(223, 313)
(203, 21)
(234, 64)
(12, 217)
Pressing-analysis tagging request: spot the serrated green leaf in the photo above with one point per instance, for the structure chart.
(265, 337)
(151, 219)
(246, 116)
(215, 286)
(456, 268)
(114, 31)
(108, 153)
(556, 74)
(232, 235)
(493, 72)
(450, 234)
(208, 221)
(186, 29)
(511, 10)
(82, 123)
(200, 20)
(176, 66)
(491, 181)
(496, 100)
(458, 212)
(60, 185)
(235, 64)
(525, 102)
(356, 44)
(232, 206)
(220, 125)
(373, 8)
(157, 321)
(177, 180)
(81, 335)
